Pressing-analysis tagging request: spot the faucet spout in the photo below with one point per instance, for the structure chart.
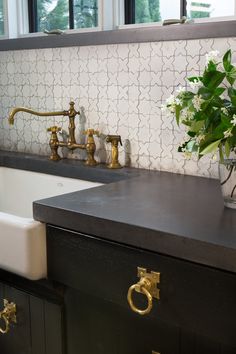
(30, 111)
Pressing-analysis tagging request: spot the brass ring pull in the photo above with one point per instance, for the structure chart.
(7, 325)
(147, 285)
(145, 292)
(8, 315)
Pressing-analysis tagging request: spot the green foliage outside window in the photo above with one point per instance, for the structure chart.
(54, 14)
(205, 12)
(85, 13)
(58, 17)
(1, 18)
(147, 11)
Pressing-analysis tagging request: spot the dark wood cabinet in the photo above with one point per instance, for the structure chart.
(195, 314)
(82, 308)
(39, 328)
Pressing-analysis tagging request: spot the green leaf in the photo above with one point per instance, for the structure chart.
(221, 153)
(213, 79)
(194, 78)
(187, 95)
(227, 148)
(231, 75)
(211, 148)
(191, 133)
(217, 102)
(205, 93)
(191, 146)
(219, 90)
(196, 126)
(227, 60)
(211, 66)
(232, 95)
(177, 113)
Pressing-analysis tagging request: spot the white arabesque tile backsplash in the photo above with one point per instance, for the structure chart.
(119, 89)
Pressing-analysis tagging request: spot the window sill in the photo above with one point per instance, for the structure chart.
(130, 35)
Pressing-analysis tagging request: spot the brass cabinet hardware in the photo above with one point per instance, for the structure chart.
(114, 140)
(8, 315)
(147, 285)
(155, 352)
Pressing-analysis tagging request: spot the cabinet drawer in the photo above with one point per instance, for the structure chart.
(198, 298)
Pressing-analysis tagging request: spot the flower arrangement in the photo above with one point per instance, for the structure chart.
(208, 108)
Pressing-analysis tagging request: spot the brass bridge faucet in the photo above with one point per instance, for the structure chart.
(71, 143)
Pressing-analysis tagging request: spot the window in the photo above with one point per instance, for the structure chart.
(146, 11)
(29, 18)
(210, 9)
(62, 14)
(2, 18)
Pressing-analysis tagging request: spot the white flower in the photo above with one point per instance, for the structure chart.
(187, 155)
(195, 84)
(170, 105)
(167, 110)
(214, 157)
(225, 111)
(170, 100)
(178, 102)
(233, 121)
(197, 102)
(186, 114)
(180, 89)
(199, 138)
(228, 133)
(164, 108)
(212, 56)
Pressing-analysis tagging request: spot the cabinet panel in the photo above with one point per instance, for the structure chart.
(39, 327)
(17, 340)
(96, 326)
(193, 297)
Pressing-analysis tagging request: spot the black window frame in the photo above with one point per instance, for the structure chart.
(130, 10)
(33, 15)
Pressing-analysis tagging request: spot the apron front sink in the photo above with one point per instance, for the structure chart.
(22, 239)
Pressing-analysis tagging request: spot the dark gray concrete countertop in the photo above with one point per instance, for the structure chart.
(175, 215)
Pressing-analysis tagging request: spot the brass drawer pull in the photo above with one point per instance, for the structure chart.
(147, 286)
(8, 315)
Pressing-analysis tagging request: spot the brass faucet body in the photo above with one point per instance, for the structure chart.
(54, 142)
(114, 140)
(91, 147)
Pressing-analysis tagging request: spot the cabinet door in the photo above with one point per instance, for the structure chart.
(39, 324)
(194, 297)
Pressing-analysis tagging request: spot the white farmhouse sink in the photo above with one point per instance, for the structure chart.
(22, 239)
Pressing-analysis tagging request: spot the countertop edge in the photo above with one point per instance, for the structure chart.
(177, 246)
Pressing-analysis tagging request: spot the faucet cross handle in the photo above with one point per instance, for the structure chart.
(54, 129)
(54, 142)
(90, 132)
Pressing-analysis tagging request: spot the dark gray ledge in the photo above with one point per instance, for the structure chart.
(131, 35)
